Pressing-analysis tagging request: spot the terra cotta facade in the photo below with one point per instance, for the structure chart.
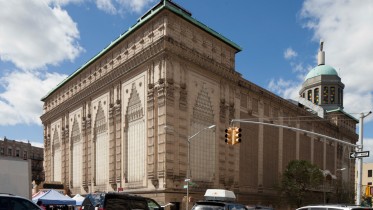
(122, 120)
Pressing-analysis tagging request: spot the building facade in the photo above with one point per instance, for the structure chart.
(123, 120)
(366, 177)
(22, 150)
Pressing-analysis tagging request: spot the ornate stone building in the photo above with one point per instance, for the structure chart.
(123, 120)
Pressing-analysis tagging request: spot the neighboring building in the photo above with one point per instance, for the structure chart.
(122, 121)
(22, 150)
(366, 176)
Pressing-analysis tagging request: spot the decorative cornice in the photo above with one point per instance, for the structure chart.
(163, 44)
(179, 49)
(106, 80)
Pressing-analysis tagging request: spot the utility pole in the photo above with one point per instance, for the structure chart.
(187, 179)
(359, 161)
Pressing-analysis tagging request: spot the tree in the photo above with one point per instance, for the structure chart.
(298, 179)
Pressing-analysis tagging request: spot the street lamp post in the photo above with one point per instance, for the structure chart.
(187, 179)
(360, 160)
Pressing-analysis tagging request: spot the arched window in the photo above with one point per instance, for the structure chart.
(136, 140)
(309, 95)
(316, 96)
(10, 151)
(326, 95)
(332, 95)
(77, 159)
(102, 146)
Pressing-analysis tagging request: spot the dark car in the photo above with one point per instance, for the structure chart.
(218, 205)
(114, 201)
(13, 202)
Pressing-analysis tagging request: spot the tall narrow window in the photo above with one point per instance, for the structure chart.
(136, 139)
(102, 147)
(57, 157)
(202, 146)
(316, 96)
(309, 95)
(332, 95)
(326, 95)
(77, 154)
(369, 173)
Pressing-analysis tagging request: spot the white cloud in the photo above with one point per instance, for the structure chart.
(348, 44)
(32, 40)
(33, 35)
(290, 53)
(346, 27)
(65, 2)
(15, 104)
(288, 89)
(107, 6)
(120, 6)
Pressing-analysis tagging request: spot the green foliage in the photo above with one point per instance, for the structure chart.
(298, 179)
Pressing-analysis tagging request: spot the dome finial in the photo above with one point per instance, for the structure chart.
(321, 55)
(321, 45)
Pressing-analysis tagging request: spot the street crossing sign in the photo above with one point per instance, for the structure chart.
(362, 154)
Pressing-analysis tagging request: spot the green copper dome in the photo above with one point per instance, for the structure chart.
(321, 70)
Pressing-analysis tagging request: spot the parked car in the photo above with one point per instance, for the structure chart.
(259, 207)
(334, 207)
(115, 200)
(218, 199)
(14, 202)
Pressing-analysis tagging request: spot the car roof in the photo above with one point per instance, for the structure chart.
(341, 206)
(217, 203)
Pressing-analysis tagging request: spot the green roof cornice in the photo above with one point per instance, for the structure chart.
(164, 4)
(188, 17)
(342, 111)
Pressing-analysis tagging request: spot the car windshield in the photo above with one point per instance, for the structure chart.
(236, 207)
(96, 198)
(152, 204)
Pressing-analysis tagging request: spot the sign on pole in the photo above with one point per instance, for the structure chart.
(362, 154)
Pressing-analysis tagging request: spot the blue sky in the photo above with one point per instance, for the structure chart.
(44, 41)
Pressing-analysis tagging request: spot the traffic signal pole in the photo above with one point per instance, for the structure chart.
(295, 129)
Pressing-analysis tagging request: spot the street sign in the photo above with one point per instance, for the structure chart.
(359, 154)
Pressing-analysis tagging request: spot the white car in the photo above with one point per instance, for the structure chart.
(334, 207)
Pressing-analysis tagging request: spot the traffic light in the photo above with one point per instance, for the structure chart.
(368, 191)
(228, 135)
(236, 135)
